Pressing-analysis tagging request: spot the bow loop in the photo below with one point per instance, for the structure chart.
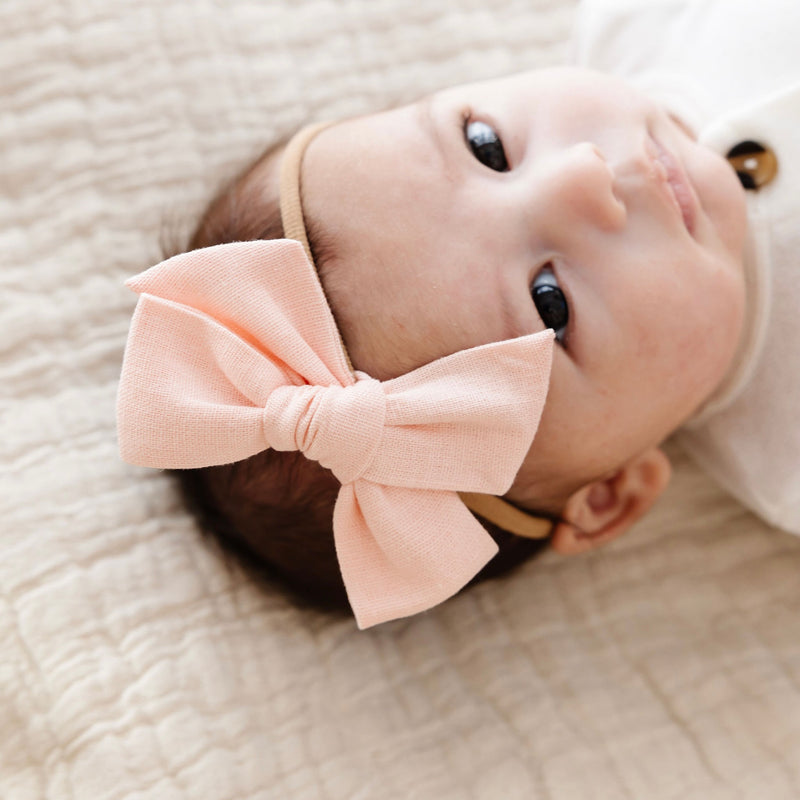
(341, 427)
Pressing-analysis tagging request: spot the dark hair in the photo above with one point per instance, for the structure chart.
(276, 508)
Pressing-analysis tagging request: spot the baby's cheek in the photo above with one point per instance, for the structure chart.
(530, 492)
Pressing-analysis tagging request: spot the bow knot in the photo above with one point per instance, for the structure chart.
(339, 426)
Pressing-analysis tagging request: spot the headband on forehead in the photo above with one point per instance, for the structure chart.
(227, 357)
(492, 508)
(292, 217)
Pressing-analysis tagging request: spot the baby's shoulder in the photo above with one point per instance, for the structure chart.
(728, 51)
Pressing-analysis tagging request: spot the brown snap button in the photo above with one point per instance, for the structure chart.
(755, 164)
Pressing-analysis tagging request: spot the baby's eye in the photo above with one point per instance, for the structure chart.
(486, 145)
(550, 302)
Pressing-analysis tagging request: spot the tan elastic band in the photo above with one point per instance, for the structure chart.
(294, 226)
(292, 217)
(508, 517)
(491, 508)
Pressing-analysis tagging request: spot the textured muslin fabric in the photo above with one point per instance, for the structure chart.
(233, 350)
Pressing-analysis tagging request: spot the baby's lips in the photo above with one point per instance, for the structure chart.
(674, 179)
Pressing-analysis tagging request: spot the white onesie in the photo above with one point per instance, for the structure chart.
(731, 70)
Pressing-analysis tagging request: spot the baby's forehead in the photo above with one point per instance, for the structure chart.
(408, 278)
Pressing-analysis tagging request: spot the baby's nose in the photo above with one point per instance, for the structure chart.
(578, 186)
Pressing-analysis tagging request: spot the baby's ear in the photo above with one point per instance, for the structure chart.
(606, 508)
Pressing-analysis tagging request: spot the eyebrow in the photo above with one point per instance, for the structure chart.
(429, 126)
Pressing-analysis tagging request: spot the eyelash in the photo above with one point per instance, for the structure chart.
(546, 289)
(484, 149)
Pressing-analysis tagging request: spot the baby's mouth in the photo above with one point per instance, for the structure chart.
(674, 179)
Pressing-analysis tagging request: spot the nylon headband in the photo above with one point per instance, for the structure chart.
(493, 509)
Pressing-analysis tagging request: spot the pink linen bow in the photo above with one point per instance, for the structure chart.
(233, 349)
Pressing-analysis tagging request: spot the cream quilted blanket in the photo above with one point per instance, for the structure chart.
(136, 660)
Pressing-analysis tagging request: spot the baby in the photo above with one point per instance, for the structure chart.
(564, 201)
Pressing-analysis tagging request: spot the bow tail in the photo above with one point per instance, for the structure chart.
(403, 551)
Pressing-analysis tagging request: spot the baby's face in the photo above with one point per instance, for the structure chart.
(559, 198)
